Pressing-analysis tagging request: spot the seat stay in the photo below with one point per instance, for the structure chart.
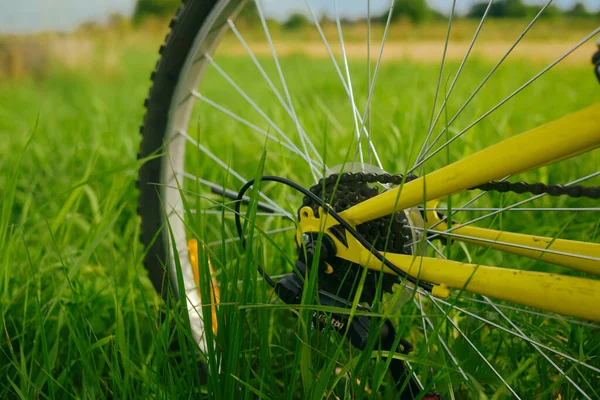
(545, 291)
(561, 139)
(577, 255)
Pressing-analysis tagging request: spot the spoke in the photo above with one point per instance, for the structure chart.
(436, 249)
(474, 199)
(232, 194)
(232, 213)
(260, 278)
(572, 49)
(224, 110)
(367, 113)
(441, 340)
(537, 348)
(526, 151)
(415, 376)
(462, 64)
(328, 114)
(367, 116)
(424, 316)
(562, 294)
(288, 108)
(512, 206)
(339, 72)
(546, 209)
(230, 170)
(441, 74)
(537, 313)
(250, 101)
(487, 77)
(516, 334)
(236, 239)
(474, 239)
(349, 81)
(303, 137)
(461, 333)
(516, 328)
(425, 319)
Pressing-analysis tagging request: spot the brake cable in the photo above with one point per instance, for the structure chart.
(361, 239)
(289, 289)
(290, 293)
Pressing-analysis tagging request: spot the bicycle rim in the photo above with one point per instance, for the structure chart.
(245, 105)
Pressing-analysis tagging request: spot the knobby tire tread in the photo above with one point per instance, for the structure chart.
(185, 26)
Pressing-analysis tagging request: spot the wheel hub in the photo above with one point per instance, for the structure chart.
(396, 233)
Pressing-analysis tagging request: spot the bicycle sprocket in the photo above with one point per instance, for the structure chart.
(390, 233)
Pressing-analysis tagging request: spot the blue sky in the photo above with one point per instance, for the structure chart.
(24, 16)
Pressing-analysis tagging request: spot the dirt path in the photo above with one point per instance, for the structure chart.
(429, 51)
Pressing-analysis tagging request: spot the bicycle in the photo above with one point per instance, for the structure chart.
(369, 245)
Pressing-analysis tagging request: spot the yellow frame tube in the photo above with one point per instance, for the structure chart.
(558, 140)
(566, 137)
(488, 237)
(537, 245)
(577, 297)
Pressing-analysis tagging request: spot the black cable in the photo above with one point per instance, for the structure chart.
(230, 194)
(240, 230)
(425, 286)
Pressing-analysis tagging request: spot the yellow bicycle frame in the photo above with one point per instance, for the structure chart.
(558, 140)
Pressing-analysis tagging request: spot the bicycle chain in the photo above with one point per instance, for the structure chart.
(350, 188)
(389, 233)
(575, 191)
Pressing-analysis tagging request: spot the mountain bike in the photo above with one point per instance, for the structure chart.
(460, 275)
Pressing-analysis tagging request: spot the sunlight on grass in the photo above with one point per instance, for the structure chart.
(79, 316)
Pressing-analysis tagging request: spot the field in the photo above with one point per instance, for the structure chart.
(80, 318)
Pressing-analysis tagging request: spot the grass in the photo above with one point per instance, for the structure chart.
(81, 320)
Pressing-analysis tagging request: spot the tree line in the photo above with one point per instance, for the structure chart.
(416, 11)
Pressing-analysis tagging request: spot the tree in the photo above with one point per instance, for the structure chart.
(167, 8)
(157, 8)
(477, 10)
(249, 14)
(415, 10)
(578, 11)
(509, 9)
(550, 12)
(515, 9)
(295, 21)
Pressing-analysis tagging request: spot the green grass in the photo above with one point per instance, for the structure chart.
(80, 318)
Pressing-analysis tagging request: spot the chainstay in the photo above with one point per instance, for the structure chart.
(575, 191)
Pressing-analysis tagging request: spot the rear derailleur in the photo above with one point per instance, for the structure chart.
(359, 329)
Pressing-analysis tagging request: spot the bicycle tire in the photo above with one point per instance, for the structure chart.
(185, 28)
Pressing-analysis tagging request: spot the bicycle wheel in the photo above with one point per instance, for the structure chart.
(235, 98)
